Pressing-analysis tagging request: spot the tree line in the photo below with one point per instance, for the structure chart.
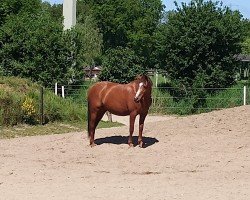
(195, 45)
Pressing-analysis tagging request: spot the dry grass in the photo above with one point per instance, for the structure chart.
(24, 130)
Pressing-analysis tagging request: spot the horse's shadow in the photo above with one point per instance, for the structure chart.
(147, 141)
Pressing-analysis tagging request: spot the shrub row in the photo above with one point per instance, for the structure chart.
(19, 103)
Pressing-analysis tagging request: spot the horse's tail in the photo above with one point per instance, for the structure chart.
(88, 120)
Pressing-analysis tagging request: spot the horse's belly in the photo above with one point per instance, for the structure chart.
(120, 113)
(118, 110)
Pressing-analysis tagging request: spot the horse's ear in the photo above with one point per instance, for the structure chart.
(137, 77)
(148, 81)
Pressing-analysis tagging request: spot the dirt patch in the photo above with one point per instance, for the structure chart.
(204, 156)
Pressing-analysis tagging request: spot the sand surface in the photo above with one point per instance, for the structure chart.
(204, 156)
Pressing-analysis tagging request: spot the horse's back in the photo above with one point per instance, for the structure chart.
(96, 91)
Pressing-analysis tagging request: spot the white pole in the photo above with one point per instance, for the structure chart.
(63, 94)
(55, 88)
(69, 13)
(245, 95)
(156, 79)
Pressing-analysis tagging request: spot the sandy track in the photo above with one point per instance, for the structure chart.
(199, 157)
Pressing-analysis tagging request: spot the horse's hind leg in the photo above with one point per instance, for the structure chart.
(99, 116)
(92, 119)
(95, 118)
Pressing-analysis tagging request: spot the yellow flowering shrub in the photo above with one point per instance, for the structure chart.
(29, 111)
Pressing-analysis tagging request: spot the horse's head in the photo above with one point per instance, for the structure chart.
(144, 87)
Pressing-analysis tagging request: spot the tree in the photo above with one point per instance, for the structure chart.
(35, 48)
(128, 23)
(246, 43)
(121, 65)
(55, 11)
(246, 46)
(86, 44)
(15, 7)
(198, 43)
(91, 40)
(34, 45)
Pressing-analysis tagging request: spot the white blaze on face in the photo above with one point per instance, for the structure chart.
(139, 90)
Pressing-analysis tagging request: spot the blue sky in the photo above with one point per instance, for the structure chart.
(242, 5)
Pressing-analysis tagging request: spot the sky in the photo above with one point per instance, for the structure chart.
(242, 5)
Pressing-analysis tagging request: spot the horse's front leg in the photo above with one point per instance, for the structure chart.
(141, 125)
(131, 128)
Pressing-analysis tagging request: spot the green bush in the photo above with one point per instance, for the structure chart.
(58, 109)
(198, 43)
(19, 103)
(227, 98)
(10, 108)
(121, 65)
(166, 100)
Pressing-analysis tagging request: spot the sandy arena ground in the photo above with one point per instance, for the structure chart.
(198, 157)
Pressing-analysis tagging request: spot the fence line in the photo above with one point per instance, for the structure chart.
(78, 87)
(161, 103)
(197, 88)
(172, 97)
(158, 99)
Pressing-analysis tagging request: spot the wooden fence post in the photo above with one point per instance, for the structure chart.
(41, 105)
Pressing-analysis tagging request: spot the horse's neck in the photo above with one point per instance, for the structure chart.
(148, 93)
(134, 84)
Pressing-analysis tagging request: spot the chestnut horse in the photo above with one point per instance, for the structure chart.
(130, 99)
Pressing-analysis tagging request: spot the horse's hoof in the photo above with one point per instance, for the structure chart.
(131, 144)
(140, 144)
(92, 144)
